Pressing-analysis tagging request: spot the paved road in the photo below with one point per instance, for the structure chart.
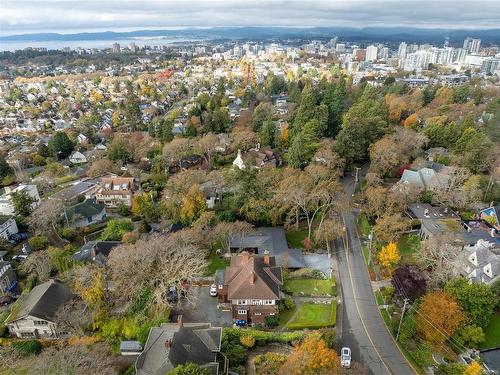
(363, 329)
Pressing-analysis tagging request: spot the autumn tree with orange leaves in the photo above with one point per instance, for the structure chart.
(312, 357)
(438, 318)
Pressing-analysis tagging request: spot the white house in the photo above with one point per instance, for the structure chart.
(77, 158)
(8, 226)
(6, 205)
(82, 138)
(36, 312)
(238, 162)
(480, 263)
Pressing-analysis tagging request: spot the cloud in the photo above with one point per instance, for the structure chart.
(24, 16)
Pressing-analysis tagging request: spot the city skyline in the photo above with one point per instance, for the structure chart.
(25, 17)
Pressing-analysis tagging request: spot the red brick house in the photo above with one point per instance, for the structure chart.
(251, 283)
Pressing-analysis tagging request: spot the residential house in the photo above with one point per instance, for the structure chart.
(174, 344)
(434, 220)
(77, 158)
(436, 177)
(6, 205)
(34, 315)
(8, 226)
(82, 138)
(251, 283)
(72, 193)
(271, 241)
(114, 191)
(257, 158)
(85, 213)
(95, 251)
(8, 278)
(480, 263)
(491, 215)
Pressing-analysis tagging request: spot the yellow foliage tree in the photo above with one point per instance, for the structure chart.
(389, 255)
(411, 121)
(193, 204)
(473, 369)
(247, 341)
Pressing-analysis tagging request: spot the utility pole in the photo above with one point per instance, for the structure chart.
(490, 183)
(402, 316)
(356, 176)
(370, 247)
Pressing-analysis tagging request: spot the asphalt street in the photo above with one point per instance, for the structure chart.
(363, 329)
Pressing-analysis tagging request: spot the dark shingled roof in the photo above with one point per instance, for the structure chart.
(42, 302)
(101, 249)
(88, 208)
(198, 344)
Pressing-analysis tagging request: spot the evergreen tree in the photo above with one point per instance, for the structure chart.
(267, 134)
(60, 145)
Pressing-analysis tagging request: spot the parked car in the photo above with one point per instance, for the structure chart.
(18, 237)
(20, 258)
(240, 323)
(345, 357)
(213, 290)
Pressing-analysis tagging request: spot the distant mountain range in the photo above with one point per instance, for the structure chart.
(345, 33)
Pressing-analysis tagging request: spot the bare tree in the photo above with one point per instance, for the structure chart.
(159, 263)
(38, 264)
(46, 215)
(243, 139)
(74, 317)
(176, 150)
(438, 256)
(224, 232)
(208, 145)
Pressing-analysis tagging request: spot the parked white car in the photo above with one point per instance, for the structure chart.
(213, 290)
(345, 357)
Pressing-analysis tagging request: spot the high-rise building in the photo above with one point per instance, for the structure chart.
(371, 53)
(333, 41)
(472, 45)
(340, 47)
(402, 50)
(384, 54)
(132, 47)
(116, 47)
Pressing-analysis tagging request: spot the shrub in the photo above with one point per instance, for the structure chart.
(68, 233)
(144, 227)
(28, 347)
(306, 273)
(38, 242)
(130, 237)
(247, 341)
(115, 229)
(328, 335)
(269, 363)
(272, 321)
(124, 210)
(189, 369)
(287, 304)
(422, 355)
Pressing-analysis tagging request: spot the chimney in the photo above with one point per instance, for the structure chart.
(168, 344)
(179, 321)
(94, 251)
(252, 277)
(267, 259)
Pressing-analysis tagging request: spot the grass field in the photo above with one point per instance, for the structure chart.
(492, 333)
(215, 263)
(285, 316)
(295, 238)
(408, 245)
(313, 316)
(363, 225)
(310, 287)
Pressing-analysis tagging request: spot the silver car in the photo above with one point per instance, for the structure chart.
(345, 357)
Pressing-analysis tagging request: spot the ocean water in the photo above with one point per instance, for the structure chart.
(100, 44)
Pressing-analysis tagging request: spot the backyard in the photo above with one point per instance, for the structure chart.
(408, 245)
(215, 262)
(492, 333)
(294, 238)
(315, 315)
(310, 287)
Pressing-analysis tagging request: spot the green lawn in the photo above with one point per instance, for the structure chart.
(366, 253)
(492, 333)
(363, 225)
(313, 316)
(215, 263)
(408, 245)
(295, 237)
(285, 316)
(310, 287)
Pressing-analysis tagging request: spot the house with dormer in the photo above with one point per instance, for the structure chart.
(251, 284)
(480, 263)
(114, 191)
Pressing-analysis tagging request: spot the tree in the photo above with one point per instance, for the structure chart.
(176, 150)
(46, 215)
(74, 317)
(389, 255)
(60, 145)
(268, 134)
(330, 230)
(102, 166)
(477, 300)
(439, 316)
(115, 229)
(450, 369)
(312, 357)
(224, 232)
(269, 363)
(118, 150)
(38, 264)
(474, 150)
(437, 257)
(389, 228)
(303, 146)
(263, 112)
(193, 204)
(5, 168)
(243, 139)
(470, 336)
(159, 263)
(189, 369)
(208, 145)
(22, 202)
(409, 281)
(334, 98)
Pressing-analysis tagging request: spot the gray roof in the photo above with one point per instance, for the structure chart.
(88, 208)
(74, 191)
(42, 302)
(101, 249)
(271, 240)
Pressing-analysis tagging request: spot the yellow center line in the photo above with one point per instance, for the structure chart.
(346, 246)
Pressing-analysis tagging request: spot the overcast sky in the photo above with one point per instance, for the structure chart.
(21, 16)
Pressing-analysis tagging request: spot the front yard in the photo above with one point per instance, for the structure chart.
(314, 316)
(492, 333)
(215, 262)
(310, 287)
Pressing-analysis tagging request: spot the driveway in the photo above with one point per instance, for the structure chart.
(203, 309)
(319, 262)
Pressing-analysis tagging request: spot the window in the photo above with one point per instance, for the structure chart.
(40, 322)
(221, 286)
(257, 314)
(242, 311)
